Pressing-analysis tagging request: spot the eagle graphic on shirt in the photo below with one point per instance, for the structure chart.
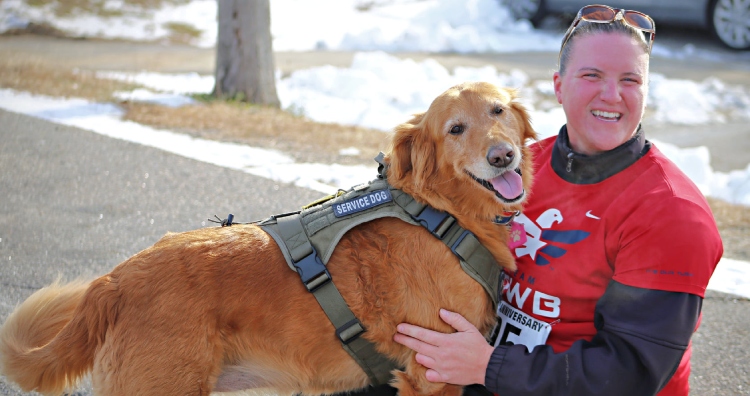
(543, 243)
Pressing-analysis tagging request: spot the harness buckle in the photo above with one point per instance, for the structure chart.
(350, 331)
(434, 221)
(454, 247)
(312, 271)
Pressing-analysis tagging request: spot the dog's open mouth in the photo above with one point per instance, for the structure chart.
(508, 186)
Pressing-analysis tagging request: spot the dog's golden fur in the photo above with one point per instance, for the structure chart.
(219, 309)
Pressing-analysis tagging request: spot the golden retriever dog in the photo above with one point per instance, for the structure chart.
(218, 308)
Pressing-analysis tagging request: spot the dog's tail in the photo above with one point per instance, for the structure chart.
(49, 341)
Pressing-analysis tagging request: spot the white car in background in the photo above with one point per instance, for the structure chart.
(728, 20)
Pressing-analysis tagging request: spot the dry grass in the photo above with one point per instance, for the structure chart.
(305, 140)
(182, 33)
(40, 78)
(179, 32)
(734, 227)
(63, 8)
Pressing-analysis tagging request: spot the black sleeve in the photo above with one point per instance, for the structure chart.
(387, 390)
(379, 390)
(641, 337)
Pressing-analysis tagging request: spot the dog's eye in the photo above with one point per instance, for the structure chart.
(457, 129)
(497, 110)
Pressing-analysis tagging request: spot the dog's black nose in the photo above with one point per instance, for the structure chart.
(501, 155)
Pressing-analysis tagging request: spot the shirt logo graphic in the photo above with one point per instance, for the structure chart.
(540, 237)
(589, 215)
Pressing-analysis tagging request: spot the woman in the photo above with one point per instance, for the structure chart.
(621, 244)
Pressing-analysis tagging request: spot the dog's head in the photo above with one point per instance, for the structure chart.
(468, 148)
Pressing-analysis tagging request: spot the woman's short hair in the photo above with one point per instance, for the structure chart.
(588, 28)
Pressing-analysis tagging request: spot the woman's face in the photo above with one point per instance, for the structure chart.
(603, 91)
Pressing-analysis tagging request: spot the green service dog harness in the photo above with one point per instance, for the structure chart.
(308, 238)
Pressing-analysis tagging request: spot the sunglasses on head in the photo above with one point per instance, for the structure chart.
(598, 13)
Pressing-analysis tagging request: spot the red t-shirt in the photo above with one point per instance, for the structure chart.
(645, 227)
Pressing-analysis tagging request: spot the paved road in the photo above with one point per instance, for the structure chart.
(74, 204)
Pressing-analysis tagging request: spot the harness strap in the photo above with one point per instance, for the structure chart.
(302, 254)
(475, 259)
(316, 278)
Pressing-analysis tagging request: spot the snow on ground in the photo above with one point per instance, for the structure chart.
(380, 91)
(401, 25)
(462, 26)
(731, 276)
(377, 90)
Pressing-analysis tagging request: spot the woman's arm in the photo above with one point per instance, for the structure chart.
(459, 358)
(641, 337)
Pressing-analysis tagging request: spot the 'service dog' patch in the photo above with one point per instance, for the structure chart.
(364, 202)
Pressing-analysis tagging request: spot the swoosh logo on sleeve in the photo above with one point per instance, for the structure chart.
(589, 215)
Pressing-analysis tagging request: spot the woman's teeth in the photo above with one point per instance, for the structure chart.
(607, 116)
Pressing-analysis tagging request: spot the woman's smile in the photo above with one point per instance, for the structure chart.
(606, 115)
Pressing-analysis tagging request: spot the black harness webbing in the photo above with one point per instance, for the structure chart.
(293, 231)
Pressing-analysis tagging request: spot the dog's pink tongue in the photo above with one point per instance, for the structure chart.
(509, 185)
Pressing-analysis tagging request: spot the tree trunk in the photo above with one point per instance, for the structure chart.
(244, 54)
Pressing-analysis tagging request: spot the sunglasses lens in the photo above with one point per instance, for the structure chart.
(638, 20)
(597, 13)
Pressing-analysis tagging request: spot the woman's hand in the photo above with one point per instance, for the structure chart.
(459, 358)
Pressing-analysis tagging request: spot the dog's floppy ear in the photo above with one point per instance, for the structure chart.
(413, 151)
(423, 155)
(400, 154)
(522, 115)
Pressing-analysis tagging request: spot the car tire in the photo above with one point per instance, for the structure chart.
(729, 21)
(533, 10)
